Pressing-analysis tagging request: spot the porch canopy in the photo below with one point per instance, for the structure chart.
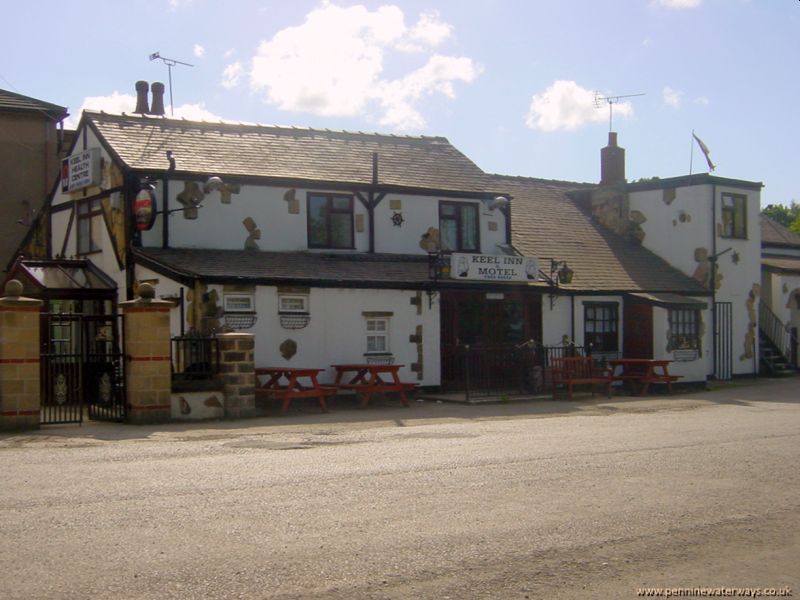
(668, 300)
(59, 279)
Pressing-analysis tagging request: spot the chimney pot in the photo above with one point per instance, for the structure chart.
(158, 99)
(142, 106)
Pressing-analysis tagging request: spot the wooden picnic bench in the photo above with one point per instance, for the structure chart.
(274, 387)
(644, 371)
(570, 371)
(368, 379)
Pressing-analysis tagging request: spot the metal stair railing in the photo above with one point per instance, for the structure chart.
(781, 335)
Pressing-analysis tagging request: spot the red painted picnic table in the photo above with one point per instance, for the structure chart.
(643, 371)
(368, 379)
(288, 383)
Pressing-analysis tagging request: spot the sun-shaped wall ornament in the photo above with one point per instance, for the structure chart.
(397, 219)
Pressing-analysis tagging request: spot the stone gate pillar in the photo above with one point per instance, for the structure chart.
(20, 392)
(148, 369)
(237, 373)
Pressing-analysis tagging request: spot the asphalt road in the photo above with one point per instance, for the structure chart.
(584, 499)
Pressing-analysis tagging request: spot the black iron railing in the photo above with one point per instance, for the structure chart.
(502, 369)
(194, 358)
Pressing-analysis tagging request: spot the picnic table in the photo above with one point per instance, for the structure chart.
(368, 379)
(288, 383)
(643, 371)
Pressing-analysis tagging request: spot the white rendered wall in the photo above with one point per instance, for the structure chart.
(692, 370)
(336, 332)
(221, 225)
(676, 230)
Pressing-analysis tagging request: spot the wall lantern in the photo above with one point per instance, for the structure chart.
(560, 274)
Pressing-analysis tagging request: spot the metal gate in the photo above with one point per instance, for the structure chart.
(723, 340)
(82, 367)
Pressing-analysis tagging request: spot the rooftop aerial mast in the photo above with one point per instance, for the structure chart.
(170, 62)
(611, 100)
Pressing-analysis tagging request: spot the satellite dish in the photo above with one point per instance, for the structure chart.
(499, 202)
(212, 185)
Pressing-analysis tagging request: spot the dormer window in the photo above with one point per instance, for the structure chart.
(458, 227)
(330, 221)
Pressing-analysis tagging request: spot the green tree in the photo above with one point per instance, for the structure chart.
(788, 216)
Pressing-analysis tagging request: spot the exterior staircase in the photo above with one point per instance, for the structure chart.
(772, 362)
(777, 348)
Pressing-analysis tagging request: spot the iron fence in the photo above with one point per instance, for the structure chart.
(194, 358)
(501, 369)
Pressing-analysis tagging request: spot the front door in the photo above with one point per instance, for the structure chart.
(483, 338)
(637, 325)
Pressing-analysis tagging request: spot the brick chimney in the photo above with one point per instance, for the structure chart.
(612, 162)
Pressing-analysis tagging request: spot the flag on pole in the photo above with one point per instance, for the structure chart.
(706, 152)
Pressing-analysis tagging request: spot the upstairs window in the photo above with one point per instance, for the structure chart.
(734, 216)
(458, 227)
(90, 226)
(601, 326)
(330, 221)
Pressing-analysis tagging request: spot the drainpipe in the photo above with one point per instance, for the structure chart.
(371, 203)
(714, 331)
(572, 318)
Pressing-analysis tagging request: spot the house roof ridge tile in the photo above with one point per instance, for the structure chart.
(233, 125)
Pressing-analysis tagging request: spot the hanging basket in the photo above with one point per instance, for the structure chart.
(294, 320)
(240, 320)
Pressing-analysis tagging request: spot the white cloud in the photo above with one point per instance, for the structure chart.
(229, 52)
(118, 103)
(175, 5)
(300, 69)
(198, 51)
(429, 31)
(436, 76)
(672, 97)
(676, 4)
(232, 74)
(566, 105)
(702, 100)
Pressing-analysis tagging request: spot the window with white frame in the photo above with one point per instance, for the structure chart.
(293, 303)
(377, 334)
(238, 303)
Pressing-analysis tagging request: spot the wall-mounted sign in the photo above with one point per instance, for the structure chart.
(494, 267)
(145, 208)
(80, 170)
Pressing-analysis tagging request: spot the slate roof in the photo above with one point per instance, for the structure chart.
(286, 153)
(775, 234)
(17, 102)
(303, 268)
(547, 223)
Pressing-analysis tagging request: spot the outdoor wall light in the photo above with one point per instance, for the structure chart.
(560, 274)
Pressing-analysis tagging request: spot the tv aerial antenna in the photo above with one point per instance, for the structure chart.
(170, 62)
(611, 100)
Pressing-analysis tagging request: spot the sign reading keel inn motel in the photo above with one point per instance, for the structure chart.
(80, 170)
(493, 267)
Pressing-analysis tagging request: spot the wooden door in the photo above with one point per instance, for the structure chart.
(637, 325)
